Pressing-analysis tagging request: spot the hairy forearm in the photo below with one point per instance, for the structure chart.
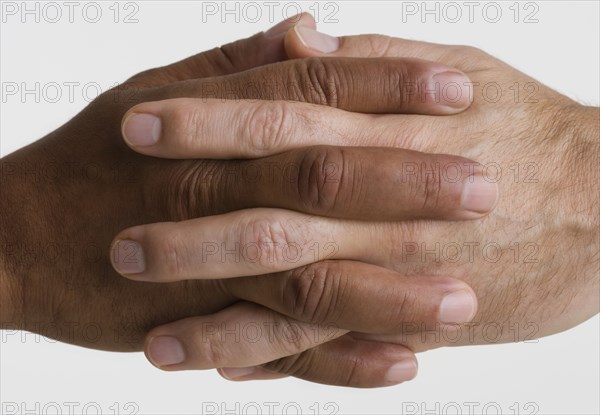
(584, 157)
(579, 213)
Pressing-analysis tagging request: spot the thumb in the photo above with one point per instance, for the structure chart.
(261, 49)
(304, 41)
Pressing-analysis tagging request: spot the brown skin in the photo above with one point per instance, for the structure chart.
(68, 290)
(76, 212)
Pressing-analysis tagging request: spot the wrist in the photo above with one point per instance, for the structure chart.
(583, 149)
(581, 178)
(11, 310)
(11, 290)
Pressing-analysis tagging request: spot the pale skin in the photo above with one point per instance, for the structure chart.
(532, 262)
(497, 301)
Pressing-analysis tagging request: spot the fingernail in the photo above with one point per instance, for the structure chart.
(453, 89)
(402, 371)
(479, 195)
(316, 40)
(165, 351)
(287, 24)
(279, 28)
(457, 307)
(128, 257)
(233, 373)
(141, 130)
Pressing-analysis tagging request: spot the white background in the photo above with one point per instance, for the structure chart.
(559, 374)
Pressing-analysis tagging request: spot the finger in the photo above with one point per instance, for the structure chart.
(240, 243)
(420, 341)
(344, 182)
(305, 41)
(241, 335)
(249, 373)
(382, 85)
(345, 361)
(326, 181)
(367, 184)
(360, 297)
(184, 128)
(260, 49)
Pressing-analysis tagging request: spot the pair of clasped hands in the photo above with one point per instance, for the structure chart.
(305, 205)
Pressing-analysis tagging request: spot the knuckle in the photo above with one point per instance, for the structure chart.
(379, 45)
(404, 310)
(412, 234)
(306, 363)
(193, 188)
(320, 80)
(184, 123)
(471, 50)
(227, 57)
(464, 57)
(427, 185)
(268, 126)
(292, 337)
(170, 248)
(298, 365)
(208, 347)
(399, 80)
(319, 179)
(270, 240)
(233, 57)
(315, 293)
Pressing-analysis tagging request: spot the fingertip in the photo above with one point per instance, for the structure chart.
(451, 90)
(238, 373)
(242, 374)
(282, 27)
(164, 352)
(141, 129)
(403, 371)
(458, 306)
(307, 20)
(303, 41)
(293, 45)
(479, 196)
(127, 256)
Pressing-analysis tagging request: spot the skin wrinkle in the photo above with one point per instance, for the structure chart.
(339, 182)
(493, 281)
(190, 123)
(141, 205)
(316, 92)
(352, 373)
(433, 186)
(312, 119)
(320, 288)
(267, 127)
(330, 77)
(380, 45)
(301, 293)
(486, 132)
(357, 193)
